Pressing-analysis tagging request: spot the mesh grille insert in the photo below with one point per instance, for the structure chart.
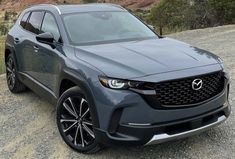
(180, 92)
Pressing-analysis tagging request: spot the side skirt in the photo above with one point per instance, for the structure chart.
(37, 87)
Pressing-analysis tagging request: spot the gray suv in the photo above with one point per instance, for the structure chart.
(114, 81)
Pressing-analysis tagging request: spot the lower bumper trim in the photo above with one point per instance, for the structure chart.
(159, 138)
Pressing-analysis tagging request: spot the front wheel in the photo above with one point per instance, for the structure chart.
(75, 123)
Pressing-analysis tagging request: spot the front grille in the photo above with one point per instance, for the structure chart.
(180, 92)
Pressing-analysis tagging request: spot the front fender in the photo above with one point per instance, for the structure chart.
(82, 82)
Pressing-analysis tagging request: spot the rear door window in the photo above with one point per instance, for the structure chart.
(35, 21)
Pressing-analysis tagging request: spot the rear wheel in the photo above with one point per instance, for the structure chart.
(13, 82)
(75, 123)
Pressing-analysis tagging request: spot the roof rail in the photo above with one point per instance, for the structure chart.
(52, 5)
(115, 5)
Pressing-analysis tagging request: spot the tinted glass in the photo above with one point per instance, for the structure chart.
(104, 27)
(49, 25)
(35, 21)
(24, 19)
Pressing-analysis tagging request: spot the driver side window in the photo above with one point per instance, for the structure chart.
(49, 25)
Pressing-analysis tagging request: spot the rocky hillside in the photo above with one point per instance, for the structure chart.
(18, 5)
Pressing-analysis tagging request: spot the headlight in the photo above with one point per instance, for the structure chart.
(225, 70)
(118, 83)
(114, 83)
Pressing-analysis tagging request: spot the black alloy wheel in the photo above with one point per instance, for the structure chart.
(74, 121)
(10, 71)
(13, 82)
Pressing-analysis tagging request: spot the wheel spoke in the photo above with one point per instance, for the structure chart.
(70, 127)
(81, 133)
(69, 110)
(88, 130)
(10, 64)
(67, 120)
(87, 123)
(13, 80)
(13, 74)
(74, 110)
(10, 81)
(8, 77)
(9, 70)
(86, 143)
(76, 135)
(81, 106)
(86, 112)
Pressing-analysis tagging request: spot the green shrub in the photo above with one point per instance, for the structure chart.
(3, 29)
(224, 10)
(10, 16)
(2, 43)
(177, 15)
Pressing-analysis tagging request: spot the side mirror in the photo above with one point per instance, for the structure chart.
(46, 38)
(151, 27)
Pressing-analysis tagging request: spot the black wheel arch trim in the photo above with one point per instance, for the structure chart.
(80, 82)
(11, 48)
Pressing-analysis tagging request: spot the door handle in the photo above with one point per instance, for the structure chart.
(36, 48)
(16, 40)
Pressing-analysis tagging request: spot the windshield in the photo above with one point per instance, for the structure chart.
(104, 27)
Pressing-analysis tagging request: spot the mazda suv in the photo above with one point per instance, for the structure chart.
(113, 79)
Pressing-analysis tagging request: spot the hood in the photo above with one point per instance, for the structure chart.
(128, 60)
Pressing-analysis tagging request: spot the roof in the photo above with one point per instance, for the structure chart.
(94, 7)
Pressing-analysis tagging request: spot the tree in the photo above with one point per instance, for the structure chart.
(177, 15)
(224, 10)
(170, 14)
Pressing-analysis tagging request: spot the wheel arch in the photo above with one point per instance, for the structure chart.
(10, 50)
(66, 84)
(7, 53)
(70, 79)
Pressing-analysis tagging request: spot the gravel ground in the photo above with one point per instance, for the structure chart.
(28, 128)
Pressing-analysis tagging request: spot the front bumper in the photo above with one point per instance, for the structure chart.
(164, 137)
(153, 134)
(125, 118)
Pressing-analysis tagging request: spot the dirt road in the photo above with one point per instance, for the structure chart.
(28, 128)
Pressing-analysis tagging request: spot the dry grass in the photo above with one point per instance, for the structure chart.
(2, 45)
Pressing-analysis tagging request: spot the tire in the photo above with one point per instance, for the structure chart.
(74, 122)
(13, 82)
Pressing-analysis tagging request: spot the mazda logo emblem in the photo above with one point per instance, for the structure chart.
(197, 84)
